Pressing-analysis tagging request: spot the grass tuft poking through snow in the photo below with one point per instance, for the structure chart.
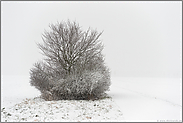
(38, 110)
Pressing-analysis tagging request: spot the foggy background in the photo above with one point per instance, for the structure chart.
(142, 39)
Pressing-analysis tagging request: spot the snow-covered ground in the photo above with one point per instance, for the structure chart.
(15, 89)
(148, 99)
(133, 99)
(37, 109)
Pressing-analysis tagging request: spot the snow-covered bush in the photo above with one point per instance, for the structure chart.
(39, 77)
(74, 65)
(90, 85)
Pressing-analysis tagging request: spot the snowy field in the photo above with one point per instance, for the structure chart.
(133, 99)
(148, 99)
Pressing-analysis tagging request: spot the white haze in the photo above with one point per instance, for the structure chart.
(142, 39)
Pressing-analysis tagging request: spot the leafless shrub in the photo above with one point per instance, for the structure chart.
(73, 66)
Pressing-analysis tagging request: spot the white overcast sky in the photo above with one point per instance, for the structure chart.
(142, 39)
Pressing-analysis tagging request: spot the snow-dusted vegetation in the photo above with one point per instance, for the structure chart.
(39, 110)
(73, 67)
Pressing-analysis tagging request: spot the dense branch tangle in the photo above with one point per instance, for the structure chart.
(66, 45)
